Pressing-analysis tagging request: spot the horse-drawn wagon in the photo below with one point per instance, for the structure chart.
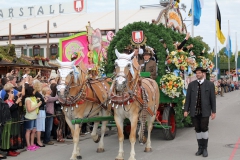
(128, 95)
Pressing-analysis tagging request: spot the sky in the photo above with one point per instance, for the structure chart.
(229, 11)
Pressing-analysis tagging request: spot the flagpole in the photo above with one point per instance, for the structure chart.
(236, 56)
(192, 18)
(116, 16)
(228, 53)
(216, 37)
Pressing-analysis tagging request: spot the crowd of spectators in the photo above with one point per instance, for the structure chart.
(227, 85)
(30, 113)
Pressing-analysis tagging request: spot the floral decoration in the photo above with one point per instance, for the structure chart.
(171, 85)
(206, 64)
(178, 59)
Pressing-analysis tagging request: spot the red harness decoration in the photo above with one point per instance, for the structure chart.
(83, 98)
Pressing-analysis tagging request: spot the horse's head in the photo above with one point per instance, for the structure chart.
(65, 75)
(123, 65)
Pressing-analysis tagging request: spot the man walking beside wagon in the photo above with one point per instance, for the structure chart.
(201, 104)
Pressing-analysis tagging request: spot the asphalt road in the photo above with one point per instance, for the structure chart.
(224, 136)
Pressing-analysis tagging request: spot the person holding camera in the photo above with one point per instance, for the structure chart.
(12, 80)
(10, 141)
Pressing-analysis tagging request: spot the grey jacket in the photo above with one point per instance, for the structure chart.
(208, 98)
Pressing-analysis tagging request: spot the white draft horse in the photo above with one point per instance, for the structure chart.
(80, 99)
(133, 98)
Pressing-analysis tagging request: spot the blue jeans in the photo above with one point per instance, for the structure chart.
(48, 127)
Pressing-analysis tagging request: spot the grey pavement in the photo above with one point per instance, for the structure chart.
(224, 133)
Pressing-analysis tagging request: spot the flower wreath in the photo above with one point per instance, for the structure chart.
(171, 85)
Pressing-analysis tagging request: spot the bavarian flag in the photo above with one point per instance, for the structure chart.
(220, 35)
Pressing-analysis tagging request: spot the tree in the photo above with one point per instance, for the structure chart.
(200, 39)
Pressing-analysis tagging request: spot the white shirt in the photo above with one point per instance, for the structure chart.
(200, 81)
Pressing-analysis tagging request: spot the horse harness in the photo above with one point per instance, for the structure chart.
(137, 94)
(90, 90)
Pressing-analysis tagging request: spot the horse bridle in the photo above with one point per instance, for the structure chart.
(65, 96)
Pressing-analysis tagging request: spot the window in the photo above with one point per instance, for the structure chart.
(42, 52)
(5, 38)
(60, 35)
(52, 35)
(43, 35)
(36, 50)
(35, 36)
(21, 37)
(25, 52)
(53, 49)
(30, 52)
(66, 34)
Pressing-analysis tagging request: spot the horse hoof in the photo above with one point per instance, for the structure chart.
(148, 150)
(100, 150)
(98, 139)
(79, 157)
(119, 159)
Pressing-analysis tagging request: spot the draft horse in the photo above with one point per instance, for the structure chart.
(133, 98)
(82, 98)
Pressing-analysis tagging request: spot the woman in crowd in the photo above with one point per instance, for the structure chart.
(60, 116)
(5, 118)
(46, 91)
(11, 139)
(32, 108)
(40, 122)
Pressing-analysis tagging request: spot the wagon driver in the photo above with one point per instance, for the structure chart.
(148, 65)
(201, 104)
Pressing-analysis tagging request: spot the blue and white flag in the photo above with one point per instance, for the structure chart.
(228, 49)
(198, 5)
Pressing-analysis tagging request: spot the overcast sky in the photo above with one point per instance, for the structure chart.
(230, 10)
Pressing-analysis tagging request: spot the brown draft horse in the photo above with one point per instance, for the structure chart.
(81, 98)
(134, 99)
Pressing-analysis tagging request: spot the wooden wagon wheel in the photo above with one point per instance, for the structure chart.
(168, 118)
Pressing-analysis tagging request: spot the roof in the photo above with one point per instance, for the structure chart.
(77, 22)
(31, 41)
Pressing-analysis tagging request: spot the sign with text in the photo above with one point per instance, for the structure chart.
(42, 10)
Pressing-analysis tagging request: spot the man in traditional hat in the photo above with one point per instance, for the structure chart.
(201, 104)
(148, 65)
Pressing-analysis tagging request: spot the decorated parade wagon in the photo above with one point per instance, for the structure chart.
(101, 81)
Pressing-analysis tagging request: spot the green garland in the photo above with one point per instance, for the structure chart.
(153, 33)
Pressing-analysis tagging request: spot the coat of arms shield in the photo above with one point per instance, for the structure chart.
(78, 5)
(137, 37)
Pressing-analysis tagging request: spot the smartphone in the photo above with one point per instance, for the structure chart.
(20, 95)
